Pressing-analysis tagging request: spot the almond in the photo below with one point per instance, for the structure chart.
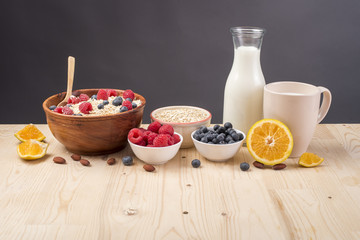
(85, 162)
(59, 160)
(279, 166)
(149, 168)
(258, 164)
(76, 157)
(111, 161)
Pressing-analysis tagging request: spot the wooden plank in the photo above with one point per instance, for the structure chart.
(43, 200)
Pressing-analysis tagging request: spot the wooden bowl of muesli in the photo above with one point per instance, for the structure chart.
(184, 120)
(93, 134)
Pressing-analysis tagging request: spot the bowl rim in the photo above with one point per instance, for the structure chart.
(144, 147)
(97, 117)
(218, 145)
(178, 123)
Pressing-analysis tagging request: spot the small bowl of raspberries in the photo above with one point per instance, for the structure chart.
(155, 145)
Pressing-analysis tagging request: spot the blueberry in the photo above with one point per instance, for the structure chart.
(196, 136)
(228, 138)
(231, 141)
(100, 106)
(127, 160)
(134, 105)
(241, 137)
(117, 101)
(204, 129)
(228, 125)
(52, 107)
(221, 129)
(204, 139)
(220, 137)
(244, 166)
(210, 137)
(235, 136)
(105, 102)
(198, 131)
(215, 141)
(222, 142)
(123, 109)
(94, 96)
(128, 99)
(216, 126)
(78, 114)
(196, 163)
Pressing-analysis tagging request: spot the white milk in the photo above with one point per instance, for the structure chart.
(243, 98)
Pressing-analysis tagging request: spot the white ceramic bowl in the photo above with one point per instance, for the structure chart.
(185, 129)
(156, 155)
(218, 152)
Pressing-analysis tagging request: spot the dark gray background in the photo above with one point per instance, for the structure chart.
(173, 52)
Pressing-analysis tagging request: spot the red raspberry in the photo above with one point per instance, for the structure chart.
(149, 137)
(128, 94)
(161, 140)
(127, 104)
(111, 92)
(85, 107)
(59, 110)
(74, 100)
(166, 129)
(68, 111)
(102, 94)
(170, 140)
(154, 127)
(83, 97)
(176, 138)
(136, 136)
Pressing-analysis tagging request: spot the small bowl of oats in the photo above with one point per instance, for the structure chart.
(184, 120)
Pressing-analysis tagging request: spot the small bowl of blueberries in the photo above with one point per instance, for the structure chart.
(218, 143)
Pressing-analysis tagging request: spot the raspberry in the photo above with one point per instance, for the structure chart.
(59, 110)
(128, 94)
(85, 107)
(166, 129)
(149, 137)
(111, 92)
(127, 104)
(83, 97)
(161, 140)
(73, 100)
(170, 140)
(67, 111)
(136, 136)
(154, 127)
(102, 94)
(176, 138)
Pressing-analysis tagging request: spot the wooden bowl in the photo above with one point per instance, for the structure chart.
(92, 135)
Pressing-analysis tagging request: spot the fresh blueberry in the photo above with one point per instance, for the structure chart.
(134, 105)
(127, 160)
(105, 102)
(196, 163)
(216, 126)
(78, 114)
(220, 137)
(235, 136)
(52, 107)
(231, 141)
(117, 101)
(123, 109)
(244, 166)
(215, 141)
(94, 96)
(198, 131)
(228, 138)
(196, 136)
(100, 106)
(241, 137)
(204, 129)
(222, 142)
(221, 129)
(210, 137)
(204, 139)
(129, 99)
(228, 125)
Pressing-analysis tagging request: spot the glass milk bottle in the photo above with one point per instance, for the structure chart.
(243, 97)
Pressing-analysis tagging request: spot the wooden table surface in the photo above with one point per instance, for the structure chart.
(43, 200)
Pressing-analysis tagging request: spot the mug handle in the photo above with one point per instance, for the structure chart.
(324, 108)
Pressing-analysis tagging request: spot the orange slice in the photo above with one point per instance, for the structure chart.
(310, 160)
(269, 141)
(29, 132)
(32, 149)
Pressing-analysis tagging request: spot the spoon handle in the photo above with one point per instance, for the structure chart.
(71, 70)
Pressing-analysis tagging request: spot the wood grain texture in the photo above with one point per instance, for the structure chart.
(43, 200)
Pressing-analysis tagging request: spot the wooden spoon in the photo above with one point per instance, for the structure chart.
(71, 70)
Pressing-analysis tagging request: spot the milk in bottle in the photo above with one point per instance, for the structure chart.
(243, 96)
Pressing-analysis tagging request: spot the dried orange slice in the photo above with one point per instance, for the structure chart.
(310, 160)
(29, 132)
(269, 141)
(32, 149)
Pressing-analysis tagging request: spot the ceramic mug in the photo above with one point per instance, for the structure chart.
(297, 105)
